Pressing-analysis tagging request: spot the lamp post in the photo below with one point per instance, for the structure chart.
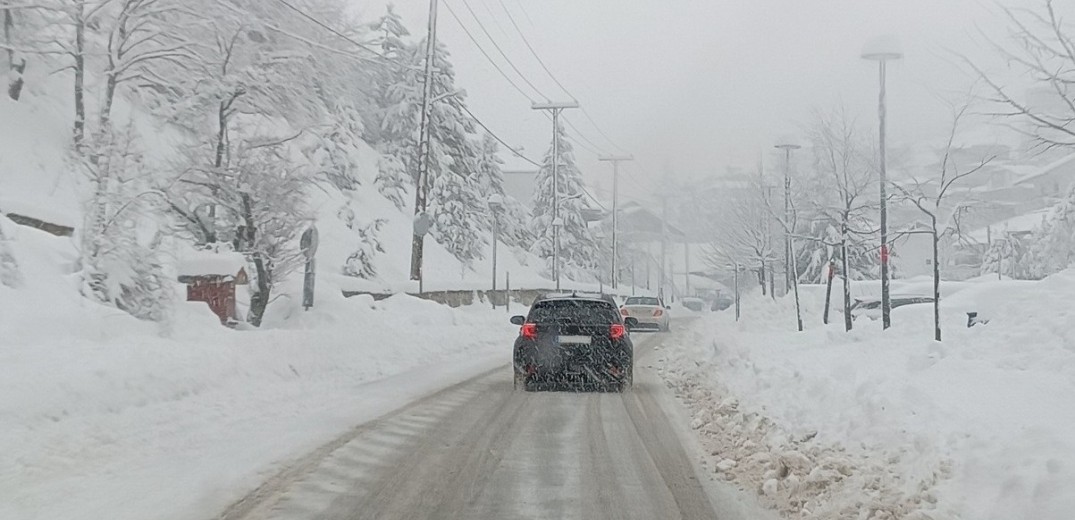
(791, 267)
(496, 203)
(883, 50)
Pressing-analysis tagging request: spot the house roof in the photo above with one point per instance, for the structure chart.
(1046, 170)
(1024, 223)
(208, 263)
(639, 222)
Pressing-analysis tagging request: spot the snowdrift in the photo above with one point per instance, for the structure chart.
(827, 423)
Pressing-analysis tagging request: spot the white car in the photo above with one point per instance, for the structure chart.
(650, 312)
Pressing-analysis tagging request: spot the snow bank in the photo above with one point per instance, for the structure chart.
(828, 424)
(104, 417)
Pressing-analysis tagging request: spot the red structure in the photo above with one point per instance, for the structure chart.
(212, 278)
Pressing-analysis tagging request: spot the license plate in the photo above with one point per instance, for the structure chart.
(574, 340)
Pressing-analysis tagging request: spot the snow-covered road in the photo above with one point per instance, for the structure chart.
(481, 450)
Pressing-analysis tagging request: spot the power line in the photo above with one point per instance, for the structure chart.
(600, 131)
(598, 150)
(532, 51)
(330, 29)
(486, 54)
(501, 51)
(501, 141)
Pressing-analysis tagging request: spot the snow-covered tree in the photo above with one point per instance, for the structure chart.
(844, 164)
(461, 220)
(514, 217)
(360, 263)
(1052, 247)
(120, 266)
(1041, 48)
(579, 250)
(931, 203)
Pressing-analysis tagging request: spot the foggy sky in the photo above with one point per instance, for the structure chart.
(695, 86)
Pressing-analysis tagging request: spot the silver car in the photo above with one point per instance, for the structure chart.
(651, 312)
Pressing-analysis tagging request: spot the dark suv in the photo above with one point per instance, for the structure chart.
(574, 339)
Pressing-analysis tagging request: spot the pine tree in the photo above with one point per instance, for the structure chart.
(578, 248)
(460, 218)
(360, 263)
(513, 218)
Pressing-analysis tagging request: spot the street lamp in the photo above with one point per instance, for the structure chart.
(496, 204)
(882, 50)
(790, 262)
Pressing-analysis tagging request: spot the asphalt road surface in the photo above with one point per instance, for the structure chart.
(480, 450)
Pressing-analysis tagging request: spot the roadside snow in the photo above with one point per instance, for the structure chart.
(828, 424)
(138, 426)
(105, 416)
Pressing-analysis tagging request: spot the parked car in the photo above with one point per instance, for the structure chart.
(722, 302)
(576, 340)
(694, 304)
(871, 307)
(650, 312)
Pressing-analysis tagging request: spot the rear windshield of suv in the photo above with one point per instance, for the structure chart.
(574, 311)
(642, 300)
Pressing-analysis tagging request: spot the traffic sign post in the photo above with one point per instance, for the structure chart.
(308, 244)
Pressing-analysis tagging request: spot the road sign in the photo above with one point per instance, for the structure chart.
(422, 224)
(309, 241)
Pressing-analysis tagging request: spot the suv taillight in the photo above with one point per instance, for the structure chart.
(529, 331)
(658, 312)
(624, 311)
(617, 331)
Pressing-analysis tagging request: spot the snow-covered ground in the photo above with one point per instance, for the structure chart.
(105, 419)
(106, 416)
(828, 424)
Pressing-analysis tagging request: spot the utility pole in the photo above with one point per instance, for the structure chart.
(421, 190)
(615, 160)
(555, 108)
(664, 245)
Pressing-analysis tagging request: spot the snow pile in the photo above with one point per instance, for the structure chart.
(105, 417)
(828, 424)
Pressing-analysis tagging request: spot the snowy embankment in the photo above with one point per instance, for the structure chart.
(828, 424)
(105, 417)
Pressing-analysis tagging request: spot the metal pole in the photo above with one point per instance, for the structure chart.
(687, 267)
(496, 238)
(615, 222)
(787, 220)
(886, 304)
(420, 192)
(615, 160)
(507, 291)
(555, 108)
(737, 291)
(556, 196)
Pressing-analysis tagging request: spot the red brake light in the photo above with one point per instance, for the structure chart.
(624, 311)
(658, 312)
(617, 331)
(529, 331)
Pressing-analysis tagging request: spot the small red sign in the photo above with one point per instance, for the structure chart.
(884, 253)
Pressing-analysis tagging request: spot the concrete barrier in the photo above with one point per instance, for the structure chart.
(519, 297)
